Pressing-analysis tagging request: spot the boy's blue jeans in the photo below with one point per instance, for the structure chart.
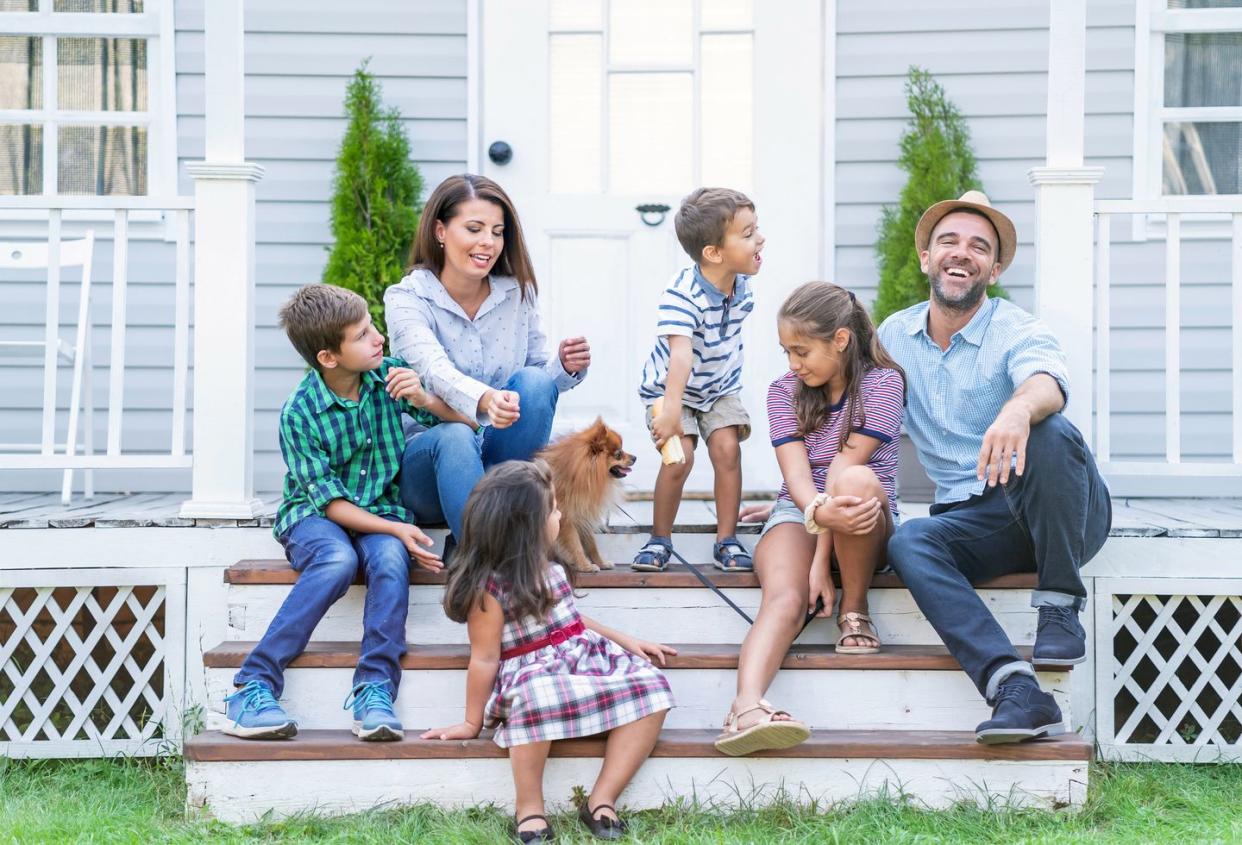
(442, 464)
(327, 559)
(1051, 520)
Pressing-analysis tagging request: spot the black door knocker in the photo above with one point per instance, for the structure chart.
(652, 213)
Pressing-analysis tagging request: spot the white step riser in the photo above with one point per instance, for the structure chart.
(670, 615)
(858, 699)
(243, 792)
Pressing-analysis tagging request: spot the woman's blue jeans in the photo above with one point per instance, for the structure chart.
(442, 464)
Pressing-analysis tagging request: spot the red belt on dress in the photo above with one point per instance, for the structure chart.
(554, 637)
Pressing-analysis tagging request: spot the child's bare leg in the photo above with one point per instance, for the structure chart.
(726, 454)
(527, 762)
(783, 564)
(626, 749)
(860, 555)
(669, 483)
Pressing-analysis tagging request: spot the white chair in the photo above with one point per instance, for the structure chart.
(36, 256)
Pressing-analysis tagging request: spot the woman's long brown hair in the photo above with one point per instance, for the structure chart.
(442, 206)
(503, 532)
(817, 310)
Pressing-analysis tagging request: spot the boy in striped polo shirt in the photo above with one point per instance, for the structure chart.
(696, 367)
(341, 438)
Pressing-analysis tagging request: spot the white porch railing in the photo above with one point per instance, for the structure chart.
(114, 456)
(1174, 209)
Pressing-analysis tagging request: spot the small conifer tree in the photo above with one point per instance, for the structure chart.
(375, 202)
(936, 153)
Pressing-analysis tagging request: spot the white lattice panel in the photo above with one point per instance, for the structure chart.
(92, 662)
(1169, 668)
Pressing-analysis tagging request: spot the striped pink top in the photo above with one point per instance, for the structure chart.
(880, 417)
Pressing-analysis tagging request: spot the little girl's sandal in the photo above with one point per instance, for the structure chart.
(860, 627)
(766, 734)
(602, 827)
(539, 834)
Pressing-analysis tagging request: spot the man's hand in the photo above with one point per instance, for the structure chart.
(849, 514)
(666, 425)
(404, 383)
(575, 354)
(503, 408)
(414, 539)
(1004, 439)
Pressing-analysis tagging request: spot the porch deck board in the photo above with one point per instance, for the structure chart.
(1132, 517)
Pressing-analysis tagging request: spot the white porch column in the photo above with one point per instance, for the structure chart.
(223, 484)
(1064, 209)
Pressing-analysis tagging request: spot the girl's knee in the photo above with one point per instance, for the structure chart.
(860, 481)
(788, 606)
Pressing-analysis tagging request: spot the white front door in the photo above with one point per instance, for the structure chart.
(606, 105)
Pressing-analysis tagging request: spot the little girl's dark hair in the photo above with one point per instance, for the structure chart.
(503, 535)
(818, 310)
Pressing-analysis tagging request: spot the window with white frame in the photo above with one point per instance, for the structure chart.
(80, 97)
(1194, 75)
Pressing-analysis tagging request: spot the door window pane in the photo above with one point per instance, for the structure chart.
(1202, 158)
(727, 109)
(102, 74)
(21, 171)
(119, 6)
(19, 5)
(726, 14)
(576, 14)
(650, 130)
(575, 72)
(658, 32)
(21, 72)
(1203, 69)
(1205, 4)
(102, 160)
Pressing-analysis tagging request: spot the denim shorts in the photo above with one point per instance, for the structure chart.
(782, 512)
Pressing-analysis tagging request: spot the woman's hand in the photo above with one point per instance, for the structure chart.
(849, 514)
(821, 588)
(755, 513)
(503, 407)
(655, 652)
(575, 354)
(404, 383)
(462, 730)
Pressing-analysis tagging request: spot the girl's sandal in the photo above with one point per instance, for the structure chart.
(860, 627)
(539, 834)
(766, 734)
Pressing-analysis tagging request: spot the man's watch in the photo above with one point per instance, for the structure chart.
(808, 515)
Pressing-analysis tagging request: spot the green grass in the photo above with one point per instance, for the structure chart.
(142, 802)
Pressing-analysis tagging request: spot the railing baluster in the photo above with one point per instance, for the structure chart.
(1235, 328)
(1173, 339)
(116, 360)
(1102, 337)
(181, 333)
(51, 333)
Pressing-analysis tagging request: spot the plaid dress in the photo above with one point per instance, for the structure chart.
(585, 685)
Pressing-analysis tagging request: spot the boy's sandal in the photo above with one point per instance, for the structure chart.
(766, 734)
(541, 834)
(652, 557)
(731, 556)
(858, 626)
(605, 827)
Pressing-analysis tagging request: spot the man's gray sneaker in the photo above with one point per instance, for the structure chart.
(1020, 711)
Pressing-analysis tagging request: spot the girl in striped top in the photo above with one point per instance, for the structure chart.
(834, 420)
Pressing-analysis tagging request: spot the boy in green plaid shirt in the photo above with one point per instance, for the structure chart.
(342, 440)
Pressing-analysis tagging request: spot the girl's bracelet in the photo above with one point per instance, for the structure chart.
(808, 515)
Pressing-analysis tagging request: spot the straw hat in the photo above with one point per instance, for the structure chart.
(975, 201)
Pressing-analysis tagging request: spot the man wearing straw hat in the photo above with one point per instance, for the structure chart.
(1017, 489)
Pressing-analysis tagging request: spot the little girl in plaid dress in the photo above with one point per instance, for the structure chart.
(539, 671)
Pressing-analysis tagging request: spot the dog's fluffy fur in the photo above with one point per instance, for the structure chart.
(587, 467)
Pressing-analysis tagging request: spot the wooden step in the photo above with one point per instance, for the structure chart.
(902, 687)
(330, 772)
(276, 571)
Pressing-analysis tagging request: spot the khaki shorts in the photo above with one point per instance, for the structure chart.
(724, 412)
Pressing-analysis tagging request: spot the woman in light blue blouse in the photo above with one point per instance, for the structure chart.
(466, 318)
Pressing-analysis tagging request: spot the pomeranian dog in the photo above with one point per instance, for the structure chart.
(587, 467)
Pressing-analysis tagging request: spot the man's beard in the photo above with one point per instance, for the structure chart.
(969, 299)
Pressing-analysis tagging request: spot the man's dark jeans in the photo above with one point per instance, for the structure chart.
(1051, 520)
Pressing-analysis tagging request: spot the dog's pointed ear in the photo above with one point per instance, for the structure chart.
(599, 436)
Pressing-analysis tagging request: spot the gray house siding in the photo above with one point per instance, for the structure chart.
(992, 60)
(298, 62)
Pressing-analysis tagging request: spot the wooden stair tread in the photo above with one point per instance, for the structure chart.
(344, 655)
(277, 571)
(213, 746)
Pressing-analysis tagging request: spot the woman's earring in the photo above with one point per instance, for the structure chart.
(441, 243)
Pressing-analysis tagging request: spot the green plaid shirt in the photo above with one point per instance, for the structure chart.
(336, 448)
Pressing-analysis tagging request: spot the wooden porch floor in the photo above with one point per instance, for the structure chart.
(1131, 517)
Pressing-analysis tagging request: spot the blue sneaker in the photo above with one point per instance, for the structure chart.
(374, 719)
(256, 714)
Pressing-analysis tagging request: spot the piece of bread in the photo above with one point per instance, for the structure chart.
(671, 452)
